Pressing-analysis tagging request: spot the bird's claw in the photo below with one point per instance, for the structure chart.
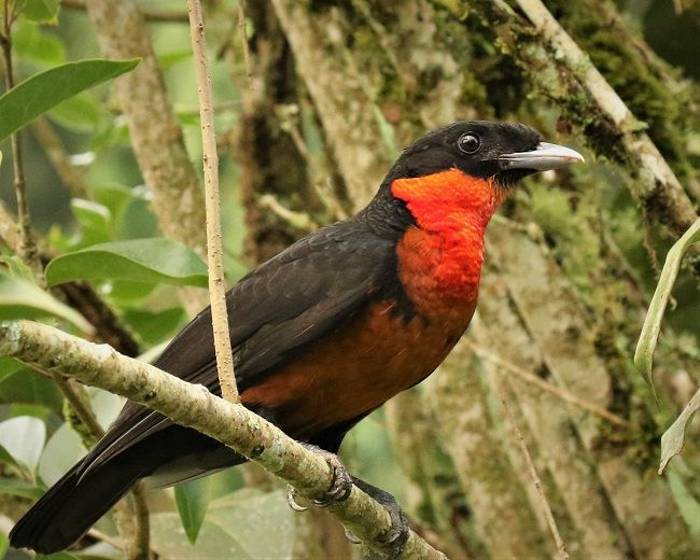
(291, 500)
(351, 537)
(340, 487)
(397, 536)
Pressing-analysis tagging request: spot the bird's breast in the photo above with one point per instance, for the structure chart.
(440, 271)
(357, 367)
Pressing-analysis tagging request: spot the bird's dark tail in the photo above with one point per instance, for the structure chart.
(72, 505)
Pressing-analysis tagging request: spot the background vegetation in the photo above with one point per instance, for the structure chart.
(313, 101)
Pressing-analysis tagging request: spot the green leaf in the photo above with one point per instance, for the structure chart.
(192, 499)
(644, 354)
(154, 260)
(154, 326)
(167, 60)
(245, 525)
(79, 113)
(114, 196)
(262, 523)
(95, 223)
(137, 221)
(57, 556)
(124, 292)
(387, 133)
(62, 451)
(34, 410)
(17, 268)
(28, 387)
(21, 488)
(41, 11)
(4, 544)
(20, 299)
(45, 90)
(169, 541)
(23, 439)
(8, 366)
(30, 42)
(674, 438)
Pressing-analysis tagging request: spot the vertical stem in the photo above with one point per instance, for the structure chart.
(27, 248)
(217, 286)
(532, 471)
(240, 13)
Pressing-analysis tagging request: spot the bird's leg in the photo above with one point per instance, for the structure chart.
(340, 487)
(398, 534)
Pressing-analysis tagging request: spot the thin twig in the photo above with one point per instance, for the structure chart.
(240, 12)
(28, 249)
(532, 471)
(80, 407)
(217, 285)
(152, 16)
(298, 220)
(141, 543)
(563, 394)
(104, 537)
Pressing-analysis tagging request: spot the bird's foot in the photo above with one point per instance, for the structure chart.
(396, 537)
(340, 487)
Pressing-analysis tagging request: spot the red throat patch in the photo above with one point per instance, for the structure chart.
(440, 260)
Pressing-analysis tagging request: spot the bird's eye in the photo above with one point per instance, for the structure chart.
(468, 143)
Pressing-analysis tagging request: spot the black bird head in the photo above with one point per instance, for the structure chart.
(484, 149)
(465, 164)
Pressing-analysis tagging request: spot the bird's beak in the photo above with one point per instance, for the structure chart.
(544, 157)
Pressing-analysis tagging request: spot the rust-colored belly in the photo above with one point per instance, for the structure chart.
(356, 369)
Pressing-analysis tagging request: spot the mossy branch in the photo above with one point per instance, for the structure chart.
(560, 70)
(193, 406)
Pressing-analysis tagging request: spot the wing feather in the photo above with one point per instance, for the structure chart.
(283, 305)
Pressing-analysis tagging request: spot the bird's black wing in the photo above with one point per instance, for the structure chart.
(287, 302)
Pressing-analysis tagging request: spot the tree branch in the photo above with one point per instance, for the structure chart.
(217, 283)
(558, 67)
(195, 407)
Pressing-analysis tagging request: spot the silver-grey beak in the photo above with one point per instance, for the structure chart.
(544, 157)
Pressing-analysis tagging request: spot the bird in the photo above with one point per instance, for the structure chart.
(327, 330)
